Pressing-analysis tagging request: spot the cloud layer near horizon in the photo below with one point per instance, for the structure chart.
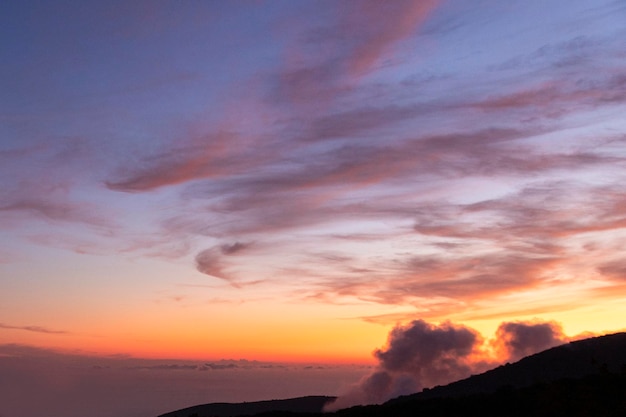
(72, 384)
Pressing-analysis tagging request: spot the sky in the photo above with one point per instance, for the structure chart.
(303, 181)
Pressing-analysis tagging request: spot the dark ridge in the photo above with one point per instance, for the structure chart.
(598, 395)
(310, 404)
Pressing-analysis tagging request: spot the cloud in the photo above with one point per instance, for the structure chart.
(234, 248)
(341, 43)
(204, 157)
(374, 27)
(615, 270)
(421, 355)
(324, 182)
(212, 261)
(43, 182)
(519, 235)
(417, 355)
(542, 211)
(558, 98)
(358, 36)
(515, 340)
(439, 283)
(470, 178)
(53, 210)
(222, 153)
(169, 367)
(515, 241)
(209, 262)
(220, 366)
(36, 329)
(46, 201)
(428, 351)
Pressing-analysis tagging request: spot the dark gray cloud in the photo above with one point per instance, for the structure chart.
(420, 355)
(417, 355)
(427, 351)
(515, 340)
(234, 248)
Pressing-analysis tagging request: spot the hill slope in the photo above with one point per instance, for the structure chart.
(310, 404)
(594, 395)
(572, 360)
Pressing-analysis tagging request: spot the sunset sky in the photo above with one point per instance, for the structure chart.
(288, 180)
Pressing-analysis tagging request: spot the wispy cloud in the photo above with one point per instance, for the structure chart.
(614, 270)
(213, 155)
(36, 329)
(370, 36)
(349, 42)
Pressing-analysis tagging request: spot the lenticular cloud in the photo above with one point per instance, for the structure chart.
(421, 355)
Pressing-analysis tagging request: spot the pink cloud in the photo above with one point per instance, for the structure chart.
(378, 26)
(323, 66)
(210, 156)
(457, 278)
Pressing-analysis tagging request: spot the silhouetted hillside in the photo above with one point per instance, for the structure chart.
(311, 404)
(594, 395)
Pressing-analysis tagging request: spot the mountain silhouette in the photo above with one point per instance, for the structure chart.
(581, 378)
(309, 404)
